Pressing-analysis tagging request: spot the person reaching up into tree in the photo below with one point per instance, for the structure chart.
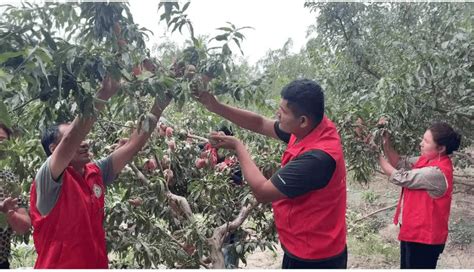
(67, 195)
(308, 193)
(425, 201)
(13, 214)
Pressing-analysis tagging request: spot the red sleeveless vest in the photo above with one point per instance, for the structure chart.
(72, 234)
(313, 226)
(425, 219)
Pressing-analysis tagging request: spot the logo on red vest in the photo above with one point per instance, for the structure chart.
(97, 190)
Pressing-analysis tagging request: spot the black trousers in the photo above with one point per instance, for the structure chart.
(419, 256)
(5, 265)
(337, 262)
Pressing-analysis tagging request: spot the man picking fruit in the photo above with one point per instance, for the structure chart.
(308, 193)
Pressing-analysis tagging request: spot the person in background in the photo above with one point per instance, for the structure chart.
(14, 217)
(425, 200)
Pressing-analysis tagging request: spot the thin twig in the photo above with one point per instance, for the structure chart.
(24, 104)
(197, 137)
(113, 123)
(375, 212)
(139, 174)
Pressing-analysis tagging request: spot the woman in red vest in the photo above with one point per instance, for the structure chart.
(425, 200)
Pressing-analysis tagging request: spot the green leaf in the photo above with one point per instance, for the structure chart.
(225, 29)
(49, 40)
(222, 37)
(5, 79)
(185, 7)
(8, 55)
(226, 50)
(4, 116)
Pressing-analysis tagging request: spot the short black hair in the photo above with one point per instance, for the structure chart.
(226, 129)
(49, 136)
(305, 97)
(444, 135)
(7, 130)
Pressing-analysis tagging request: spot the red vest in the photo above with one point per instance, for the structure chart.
(425, 219)
(72, 234)
(313, 226)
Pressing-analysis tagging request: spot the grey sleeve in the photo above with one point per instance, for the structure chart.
(47, 189)
(107, 170)
(430, 179)
(406, 162)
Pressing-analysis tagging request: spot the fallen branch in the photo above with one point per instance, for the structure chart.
(375, 212)
(463, 176)
(464, 183)
(464, 155)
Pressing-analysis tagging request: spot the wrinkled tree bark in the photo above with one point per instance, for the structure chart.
(181, 210)
(179, 205)
(217, 239)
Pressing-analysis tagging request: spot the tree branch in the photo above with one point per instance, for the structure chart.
(217, 239)
(139, 174)
(24, 104)
(375, 212)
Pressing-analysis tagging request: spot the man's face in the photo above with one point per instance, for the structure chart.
(3, 135)
(82, 155)
(288, 121)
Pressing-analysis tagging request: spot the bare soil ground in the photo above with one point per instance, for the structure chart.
(373, 243)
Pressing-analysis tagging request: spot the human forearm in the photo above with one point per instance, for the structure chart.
(123, 155)
(79, 129)
(392, 155)
(251, 173)
(387, 168)
(243, 118)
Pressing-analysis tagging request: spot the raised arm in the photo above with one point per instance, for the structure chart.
(123, 155)
(77, 131)
(242, 118)
(392, 155)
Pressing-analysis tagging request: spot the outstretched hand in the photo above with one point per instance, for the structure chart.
(109, 88)
(9, 204)
(205, 97)
(160, 104)
(220, 140)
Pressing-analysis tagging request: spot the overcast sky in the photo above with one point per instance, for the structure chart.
(273, 21)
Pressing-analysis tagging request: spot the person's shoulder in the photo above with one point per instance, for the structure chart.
(93, 164)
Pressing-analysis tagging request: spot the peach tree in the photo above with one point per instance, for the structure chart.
(173, 206)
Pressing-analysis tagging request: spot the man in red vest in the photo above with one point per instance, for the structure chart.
(67, 195)
(308, 193)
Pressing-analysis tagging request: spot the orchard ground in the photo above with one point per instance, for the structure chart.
(372, 242)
